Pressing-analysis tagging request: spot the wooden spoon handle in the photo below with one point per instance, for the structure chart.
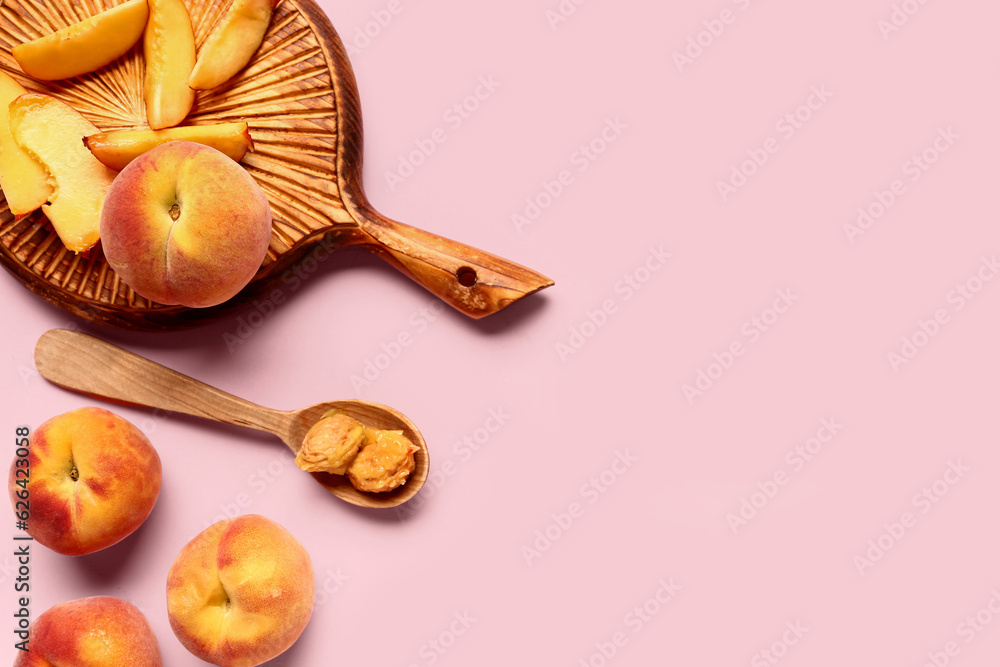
(475, 282)
(90, 366)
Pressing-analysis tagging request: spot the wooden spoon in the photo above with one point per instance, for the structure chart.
(90, 366)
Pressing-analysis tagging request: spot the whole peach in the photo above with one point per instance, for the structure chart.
(241, 592)
(91, 631)
(92, 479)
(185, 224)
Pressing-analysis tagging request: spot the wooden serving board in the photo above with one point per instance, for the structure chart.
(300, 100)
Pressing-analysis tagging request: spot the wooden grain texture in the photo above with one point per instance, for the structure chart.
(92, 367)
(300, 99)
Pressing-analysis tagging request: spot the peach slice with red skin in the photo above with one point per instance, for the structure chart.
(24, 181)
(168, 45)
(117, 148)
(84, 46)
(52, 132)
(232, 43)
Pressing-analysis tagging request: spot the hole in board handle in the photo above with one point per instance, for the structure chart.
(466, 276)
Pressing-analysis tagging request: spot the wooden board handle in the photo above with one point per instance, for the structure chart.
(473, 281)
(76, 361)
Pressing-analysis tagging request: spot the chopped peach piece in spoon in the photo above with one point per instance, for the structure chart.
(384, 463)
(331, 444)
(374, 460)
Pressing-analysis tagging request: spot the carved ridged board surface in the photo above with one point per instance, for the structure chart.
(286, 96)
(300, 101)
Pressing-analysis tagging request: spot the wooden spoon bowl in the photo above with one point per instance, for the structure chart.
(300, 100)
(92, 367)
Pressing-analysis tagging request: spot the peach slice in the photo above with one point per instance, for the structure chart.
(232, 43)
(170, 56)
(24, 181)
(53, 133)
(85, 46)
(116, 149)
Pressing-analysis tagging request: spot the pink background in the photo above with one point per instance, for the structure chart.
(790, 580)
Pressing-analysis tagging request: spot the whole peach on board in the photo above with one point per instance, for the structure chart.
(93, 478)
(241, 592)
(184, 224)
(91, 631)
